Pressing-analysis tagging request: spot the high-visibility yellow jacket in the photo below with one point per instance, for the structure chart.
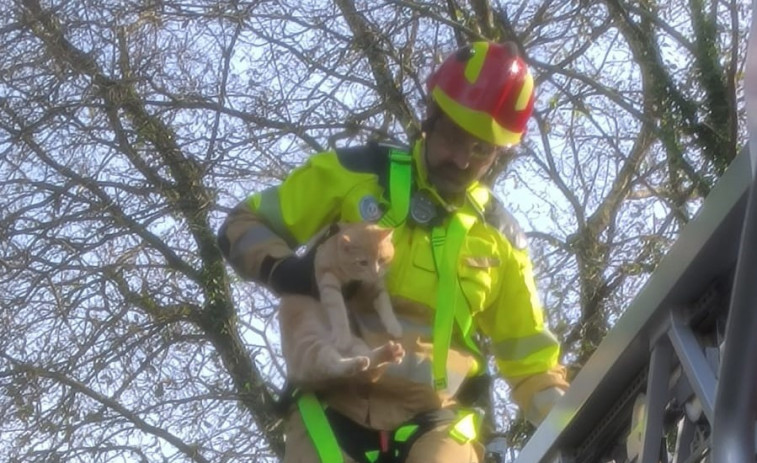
(494, 270)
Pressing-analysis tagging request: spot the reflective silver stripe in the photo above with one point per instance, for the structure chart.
(419, 370)
(368, 321)
(270, 209)
(252, 237)
(520, 348)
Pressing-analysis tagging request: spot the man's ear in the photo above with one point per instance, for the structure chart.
(432, 115)
(499, 166)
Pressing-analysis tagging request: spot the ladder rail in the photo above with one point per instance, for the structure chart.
(736, 396)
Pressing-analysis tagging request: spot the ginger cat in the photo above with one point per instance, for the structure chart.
(317, 342)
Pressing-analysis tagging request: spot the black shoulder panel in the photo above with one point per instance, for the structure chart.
(500, 218)
(372, 158)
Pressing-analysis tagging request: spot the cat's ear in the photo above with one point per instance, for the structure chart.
(385, 233)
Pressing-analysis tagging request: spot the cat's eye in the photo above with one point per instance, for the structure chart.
(363, 262)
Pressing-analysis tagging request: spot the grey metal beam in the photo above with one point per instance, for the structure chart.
(736, 398)
(694, 363)
(657, 397)
(686, 432)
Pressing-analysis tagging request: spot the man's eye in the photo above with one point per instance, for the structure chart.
(481, 151)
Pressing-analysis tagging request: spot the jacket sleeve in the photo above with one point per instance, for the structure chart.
(274, 222)
(526, 352)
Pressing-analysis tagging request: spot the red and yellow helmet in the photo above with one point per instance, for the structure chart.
(486, 89)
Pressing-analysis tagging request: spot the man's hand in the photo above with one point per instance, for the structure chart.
(292, 275)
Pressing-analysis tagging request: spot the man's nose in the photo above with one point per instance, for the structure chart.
(460, 157)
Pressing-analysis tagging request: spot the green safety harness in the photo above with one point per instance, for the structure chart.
(451, 309)
(333, 433)
(446, 244)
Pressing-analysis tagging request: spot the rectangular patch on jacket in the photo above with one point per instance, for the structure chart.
(481, 261)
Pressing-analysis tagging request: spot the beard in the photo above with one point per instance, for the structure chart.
(449, 181)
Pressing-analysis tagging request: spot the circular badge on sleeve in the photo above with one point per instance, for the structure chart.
(370, 211)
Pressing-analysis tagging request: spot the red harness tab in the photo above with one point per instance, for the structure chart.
(384, 441)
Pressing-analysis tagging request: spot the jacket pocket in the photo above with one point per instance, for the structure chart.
(476, 271)
(412, 274)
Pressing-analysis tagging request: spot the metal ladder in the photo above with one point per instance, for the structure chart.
(676, 379)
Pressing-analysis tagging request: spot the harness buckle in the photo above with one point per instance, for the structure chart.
(440, 383)
(400, 156)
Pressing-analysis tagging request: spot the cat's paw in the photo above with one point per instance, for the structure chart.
(348, 367)
(396, 351)
(391, 352)
(357, 364)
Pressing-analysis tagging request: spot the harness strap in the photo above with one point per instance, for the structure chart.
(319, 430)
(450, 304)
(362, 444)
(406, 435)
(404, 432)
(400, 181)
(450, 308)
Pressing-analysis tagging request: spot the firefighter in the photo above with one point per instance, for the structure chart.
(461, 271)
